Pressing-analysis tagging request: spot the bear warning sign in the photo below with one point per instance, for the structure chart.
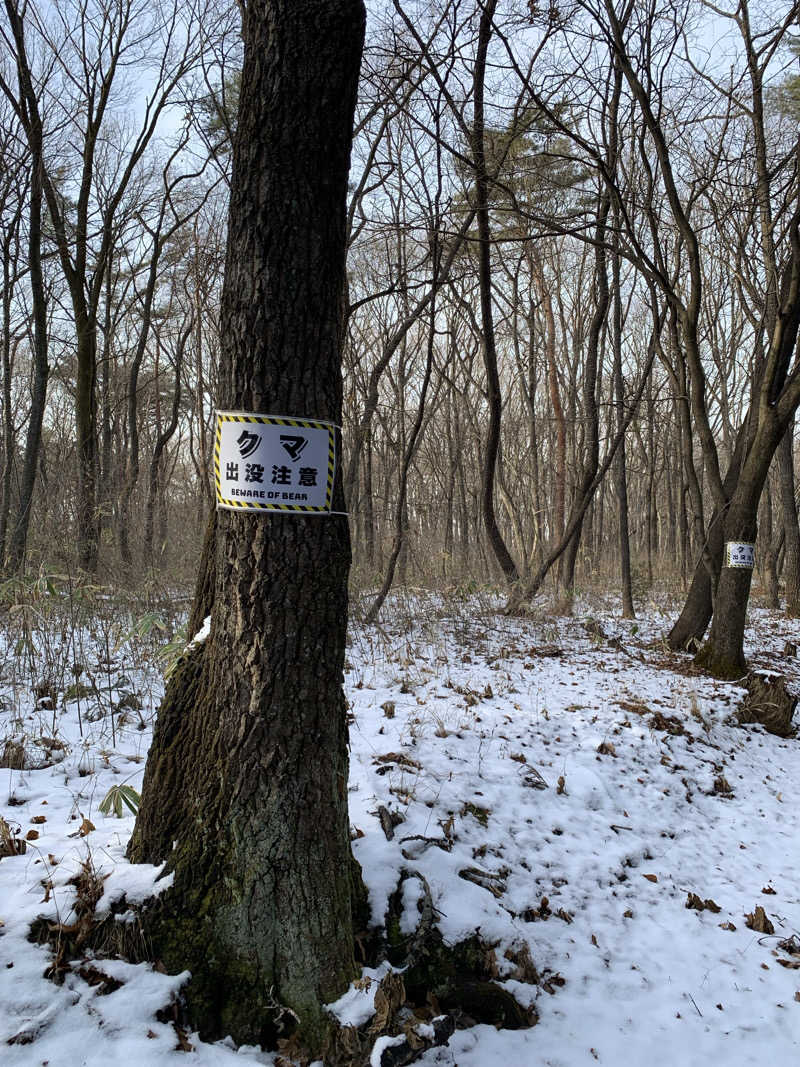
(274, 463)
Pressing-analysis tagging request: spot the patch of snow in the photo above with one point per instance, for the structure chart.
(380, 1046)
(201, 634)
(487, 711)
(356, 1006)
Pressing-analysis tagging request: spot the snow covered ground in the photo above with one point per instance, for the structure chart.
(567, 759)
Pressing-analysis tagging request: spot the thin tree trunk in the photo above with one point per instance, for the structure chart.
(401, 512)
(9, 437)
(494, 399)
(769, 548)
(620, 472)
(528, 589)
(41, 370)
(791, 565)
(162, 441)
(105, 493)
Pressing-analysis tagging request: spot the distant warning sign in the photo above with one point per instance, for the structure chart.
(271, 463)
(740, 554)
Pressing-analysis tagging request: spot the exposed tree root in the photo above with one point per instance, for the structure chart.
(441, 987)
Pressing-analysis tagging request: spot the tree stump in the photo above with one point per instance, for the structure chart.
(769, 703)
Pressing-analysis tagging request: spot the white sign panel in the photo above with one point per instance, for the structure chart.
(271, 463)
(740, 554)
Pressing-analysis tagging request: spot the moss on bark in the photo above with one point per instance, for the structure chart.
(726, 667)
(245, 791)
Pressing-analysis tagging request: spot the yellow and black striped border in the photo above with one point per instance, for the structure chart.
(275, 420)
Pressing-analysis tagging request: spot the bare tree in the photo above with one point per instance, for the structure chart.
(67, 115)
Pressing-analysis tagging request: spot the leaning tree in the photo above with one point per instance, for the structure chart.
(667, 200)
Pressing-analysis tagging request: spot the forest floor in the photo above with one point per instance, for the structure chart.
(560, 784)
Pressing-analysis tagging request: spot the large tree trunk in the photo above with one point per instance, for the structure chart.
(245, 792)
(690, 626)
(723, 653)
(692, 623)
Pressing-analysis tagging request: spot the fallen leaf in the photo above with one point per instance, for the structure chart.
(32, 835)
(758, 921)
(393, 757)
(184, 1045)
(650, 877)
(694, 902)
(39, 819)
(86, 827)
(552, 980)
(389, 996)
(525, 969)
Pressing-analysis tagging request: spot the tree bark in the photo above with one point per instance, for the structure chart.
(769, 549)
(723, 653)
(791, 566)
(620, 467)
(11, 245)
(163, 439)
(41, 371)
(690, 626)
(245, 792)
(494, 399)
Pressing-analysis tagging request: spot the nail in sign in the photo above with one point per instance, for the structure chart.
(272, 463)
(740, 554)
